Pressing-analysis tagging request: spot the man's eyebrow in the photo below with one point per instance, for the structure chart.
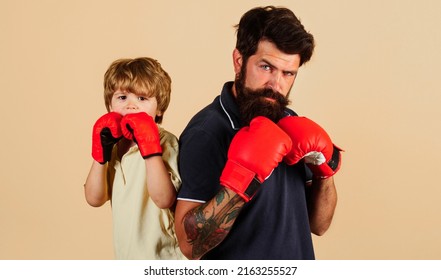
(269, 63)
(294, 72)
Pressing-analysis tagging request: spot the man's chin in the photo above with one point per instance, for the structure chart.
(273, 115)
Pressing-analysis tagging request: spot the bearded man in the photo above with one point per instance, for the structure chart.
(257, 179)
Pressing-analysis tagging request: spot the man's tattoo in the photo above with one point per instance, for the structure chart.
(206, 228)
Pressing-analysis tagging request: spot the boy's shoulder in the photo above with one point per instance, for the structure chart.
(165, 135)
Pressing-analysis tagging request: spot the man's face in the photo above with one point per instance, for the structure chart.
(264, 82)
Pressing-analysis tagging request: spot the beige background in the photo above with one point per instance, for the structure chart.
(373, 83)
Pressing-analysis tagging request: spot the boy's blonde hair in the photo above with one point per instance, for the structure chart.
(142, 76)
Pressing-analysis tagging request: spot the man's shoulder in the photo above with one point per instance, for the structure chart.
(210, 119)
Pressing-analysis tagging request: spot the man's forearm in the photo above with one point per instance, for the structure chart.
(321, 204)
(207, 225)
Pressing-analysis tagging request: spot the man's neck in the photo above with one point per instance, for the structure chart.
(233, 90)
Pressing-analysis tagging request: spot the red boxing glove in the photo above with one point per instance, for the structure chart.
(141, 128)
(311, 142)
(106, 133)
(253, 154)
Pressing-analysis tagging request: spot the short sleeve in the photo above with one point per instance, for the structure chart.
(201, 161)
(170, 152)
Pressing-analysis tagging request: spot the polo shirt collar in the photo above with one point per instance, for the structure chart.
(229, 105)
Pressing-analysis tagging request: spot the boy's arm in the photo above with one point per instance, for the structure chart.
(141, 128)
(106, 133)
(96, 188)
(159, 184)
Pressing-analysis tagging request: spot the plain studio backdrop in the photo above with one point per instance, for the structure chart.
(373, 84)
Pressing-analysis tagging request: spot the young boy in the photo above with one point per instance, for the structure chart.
(135, 161)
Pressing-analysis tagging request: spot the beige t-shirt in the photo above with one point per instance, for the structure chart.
(141, 230)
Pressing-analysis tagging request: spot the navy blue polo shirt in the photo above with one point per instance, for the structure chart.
(274, 224)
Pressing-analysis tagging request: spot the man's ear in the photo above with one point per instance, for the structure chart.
(237, 61)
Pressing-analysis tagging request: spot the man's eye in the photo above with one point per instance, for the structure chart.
(266, 67)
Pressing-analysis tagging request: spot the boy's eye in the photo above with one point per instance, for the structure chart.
(122, 97)
(142, 98)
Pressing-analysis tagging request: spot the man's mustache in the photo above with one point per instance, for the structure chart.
(269, 93)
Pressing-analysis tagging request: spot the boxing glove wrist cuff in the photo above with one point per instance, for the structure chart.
(240, 180)
(329, 168)
(152, 155)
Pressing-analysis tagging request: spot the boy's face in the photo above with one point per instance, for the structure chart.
(124, 103)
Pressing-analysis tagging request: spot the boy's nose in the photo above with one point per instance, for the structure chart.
(132, 106)
(132, 103)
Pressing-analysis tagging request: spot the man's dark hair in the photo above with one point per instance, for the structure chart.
(277, 25)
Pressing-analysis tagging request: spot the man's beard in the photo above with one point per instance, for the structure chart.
(253, 103)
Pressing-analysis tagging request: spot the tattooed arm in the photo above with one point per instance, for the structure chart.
(201, 227)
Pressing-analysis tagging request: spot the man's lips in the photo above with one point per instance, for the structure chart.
(272, 100)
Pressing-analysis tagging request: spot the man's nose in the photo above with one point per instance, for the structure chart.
(274, 82)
